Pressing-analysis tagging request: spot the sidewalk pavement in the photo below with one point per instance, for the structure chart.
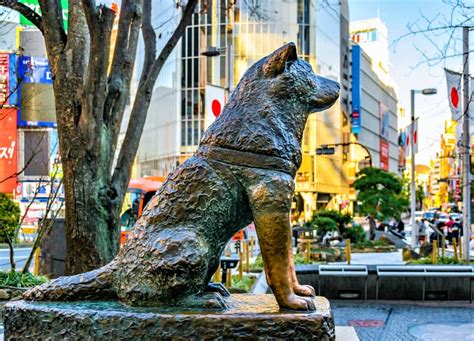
(391, 321)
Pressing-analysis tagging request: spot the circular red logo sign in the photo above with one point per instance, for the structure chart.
(454, 97)
(216, 107)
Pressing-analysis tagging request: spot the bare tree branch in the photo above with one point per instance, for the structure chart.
(54, 33)
(95, 90)
(27, 12)
(129, 147)
(90, 10)
(435, 29)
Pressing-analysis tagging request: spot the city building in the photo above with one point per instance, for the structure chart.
(28, 139)
(372, 36)
(446, 184)
(374, 121)
(246, 32)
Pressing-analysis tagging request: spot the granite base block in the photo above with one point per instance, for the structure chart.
(249, 316)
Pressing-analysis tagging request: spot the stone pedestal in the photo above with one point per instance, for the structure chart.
(248, 317)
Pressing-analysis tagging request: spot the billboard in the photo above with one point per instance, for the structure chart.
(365, 36)
(8, 80)
(356, 119)
(34, 5)
(384, 116)
(8, 150)
(35, 94)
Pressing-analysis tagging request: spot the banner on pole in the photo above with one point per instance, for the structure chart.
(453, 81)
(215, 100)
(415, 136)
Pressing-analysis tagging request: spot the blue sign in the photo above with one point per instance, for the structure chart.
(356, 119)
(12, 79)
(35, 99)
(34, 70)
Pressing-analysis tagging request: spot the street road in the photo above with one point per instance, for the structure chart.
(21, 254)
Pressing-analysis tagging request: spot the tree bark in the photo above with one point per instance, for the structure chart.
(90, 103)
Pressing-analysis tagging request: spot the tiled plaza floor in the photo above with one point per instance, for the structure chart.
(446, 321)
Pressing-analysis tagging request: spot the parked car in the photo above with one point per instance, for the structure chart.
(450, 208)
(430, 216)
(457, 217)
(443, 217)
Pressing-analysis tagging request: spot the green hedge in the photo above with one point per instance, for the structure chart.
(9, 217)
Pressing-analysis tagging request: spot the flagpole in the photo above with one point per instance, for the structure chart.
(466, 149)
(414, 229)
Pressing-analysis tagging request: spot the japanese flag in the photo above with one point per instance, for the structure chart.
(453, 80)
(215, 100)
(415, 136)
(408, 138)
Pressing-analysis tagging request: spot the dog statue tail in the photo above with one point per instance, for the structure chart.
(92, 285)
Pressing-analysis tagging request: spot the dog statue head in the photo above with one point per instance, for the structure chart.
(267, 112)
(287, 77)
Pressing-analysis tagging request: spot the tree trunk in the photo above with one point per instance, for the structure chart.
(90, 101)
(91, 239)
(91, 242)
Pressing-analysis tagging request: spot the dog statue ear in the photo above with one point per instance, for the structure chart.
(276, 62)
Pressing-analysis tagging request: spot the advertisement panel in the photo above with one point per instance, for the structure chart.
(8, 80)
(384, 156)
(384, 116)
(356, 119)
(34, 5)
(8, 150)
(4, 76)
(35, 94)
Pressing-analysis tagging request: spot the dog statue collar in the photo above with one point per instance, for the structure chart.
(247, 159)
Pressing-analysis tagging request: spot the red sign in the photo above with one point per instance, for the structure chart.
(4, 72)
(8, 150)
(384, 158)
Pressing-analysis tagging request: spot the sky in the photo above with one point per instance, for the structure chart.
(408, 65)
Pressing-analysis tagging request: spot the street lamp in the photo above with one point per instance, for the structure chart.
(414, 230)
(212, 51)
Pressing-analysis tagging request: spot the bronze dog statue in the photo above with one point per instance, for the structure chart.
(242, 171)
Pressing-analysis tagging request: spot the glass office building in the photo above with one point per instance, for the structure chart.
(247, 31)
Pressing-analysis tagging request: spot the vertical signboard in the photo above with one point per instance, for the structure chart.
(8, 80)
(36, 95)
(8, 150)
(384, 135)
(4, 77)
(356, 119)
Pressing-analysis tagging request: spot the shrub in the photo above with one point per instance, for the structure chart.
(355, 233)
(323, 225)
(257, 265)
(244, 284)
(300, 258)
(9, 217)
(370, 243)
(20, 280)
(341, 219)
(440, 261)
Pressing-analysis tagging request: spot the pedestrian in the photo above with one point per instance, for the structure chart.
(421, 231)
(449, 228)
(372, 227)
(400, 226)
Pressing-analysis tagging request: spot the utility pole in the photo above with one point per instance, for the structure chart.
(414, 229)
(466, 148)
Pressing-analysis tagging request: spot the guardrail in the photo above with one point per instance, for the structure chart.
(424, 271)
(343, 271)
